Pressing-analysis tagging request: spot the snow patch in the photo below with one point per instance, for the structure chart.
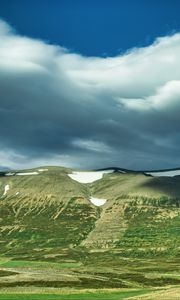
(164, 173)
(6, 189)
(88, 177)
(29, 173)
(97, 201)
(42, 170)
(9, 174)
(17, 193)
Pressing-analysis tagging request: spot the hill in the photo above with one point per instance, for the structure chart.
(48, 221)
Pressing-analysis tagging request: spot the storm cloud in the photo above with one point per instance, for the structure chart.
(62, 108)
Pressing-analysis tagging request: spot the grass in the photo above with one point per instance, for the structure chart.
(37, 264)
(53, 211)
(95, 271)
(50, 226)
(84, 296)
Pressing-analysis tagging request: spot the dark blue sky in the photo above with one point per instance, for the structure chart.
(94, 27)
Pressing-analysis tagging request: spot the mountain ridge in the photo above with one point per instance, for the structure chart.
(116, 169)
(138, 171)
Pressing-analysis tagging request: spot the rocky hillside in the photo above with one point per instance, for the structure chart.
(45, 211)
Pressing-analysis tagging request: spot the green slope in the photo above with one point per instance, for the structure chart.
(51, 210)
(48, 219)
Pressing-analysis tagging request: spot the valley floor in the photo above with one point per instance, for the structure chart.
(101, 275)
(170, 293)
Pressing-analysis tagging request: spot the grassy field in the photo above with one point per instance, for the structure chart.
(170, 293)
(97, 270)
(77, 296)
(37, 264)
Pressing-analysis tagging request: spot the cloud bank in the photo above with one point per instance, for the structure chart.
(62, 108)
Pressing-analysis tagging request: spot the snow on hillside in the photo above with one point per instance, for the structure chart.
(164, 173)
(97, 201)
(6, 189)
(9, 174)
(88, 177)
(28, 173)
(21, 173)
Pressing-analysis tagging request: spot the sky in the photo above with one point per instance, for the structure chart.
(90, 84)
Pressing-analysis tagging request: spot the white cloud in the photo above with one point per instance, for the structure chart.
(64, 108)
(5, 29)
(90, 145)
(166, 97)
(14, 160)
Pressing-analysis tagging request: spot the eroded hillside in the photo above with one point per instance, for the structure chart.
(48, 210)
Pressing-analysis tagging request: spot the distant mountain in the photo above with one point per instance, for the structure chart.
(157, 172)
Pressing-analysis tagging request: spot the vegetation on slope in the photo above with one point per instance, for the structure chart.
(48, 223)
